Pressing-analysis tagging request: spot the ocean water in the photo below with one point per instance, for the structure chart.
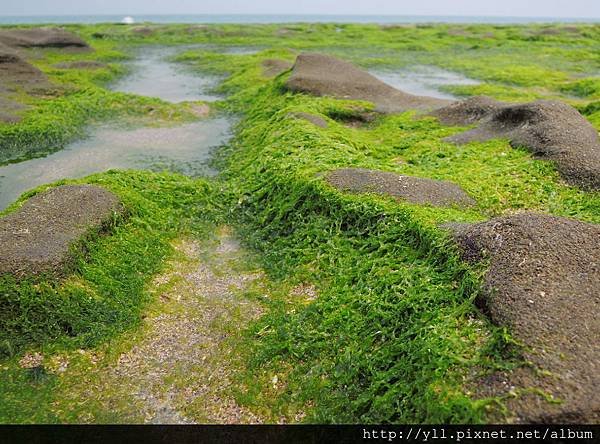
(242, 18)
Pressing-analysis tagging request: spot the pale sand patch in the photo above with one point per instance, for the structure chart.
(181, 371)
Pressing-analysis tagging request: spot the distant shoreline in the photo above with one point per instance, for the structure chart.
(287, 18)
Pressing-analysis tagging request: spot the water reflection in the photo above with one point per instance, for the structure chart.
(152, 74)
(423, 80)
(185, 149)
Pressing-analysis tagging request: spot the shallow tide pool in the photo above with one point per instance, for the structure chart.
(152, 74)
(423, 80)
(185, 148)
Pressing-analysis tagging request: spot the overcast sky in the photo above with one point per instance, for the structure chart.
(514, 8)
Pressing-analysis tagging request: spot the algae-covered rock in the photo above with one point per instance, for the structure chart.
(18, 74)
(323, 75)
(144, 31)
(468, 111)
(10, 110)
(38, 238)
(81, 64)
(315, 120)
(40, 38)
(274, 67)
(407, 188)
(549, 129)
(543, 283)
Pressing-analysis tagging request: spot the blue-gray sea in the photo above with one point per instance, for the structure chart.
(238, 18)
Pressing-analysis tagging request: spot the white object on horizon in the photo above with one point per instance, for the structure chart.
(128, 20)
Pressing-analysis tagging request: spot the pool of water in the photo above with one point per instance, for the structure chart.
(423, 80)
(152, 74)
(237, 50)
(185, 149)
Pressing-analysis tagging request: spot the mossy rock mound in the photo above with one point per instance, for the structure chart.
(323, 75)
(39, 238)
(312, 118)
(18, 74)
(467, 112)
(543, 283)
(10, 110)
(416, 190)
(353, 117)
(41, 38)
(144, 31)
(274, 67)
(549, 129)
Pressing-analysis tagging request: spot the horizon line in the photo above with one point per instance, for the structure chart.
(294, 15)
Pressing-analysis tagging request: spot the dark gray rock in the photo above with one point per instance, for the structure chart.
(323, 75)
(40, 236)
(407, 188)
(543, 283)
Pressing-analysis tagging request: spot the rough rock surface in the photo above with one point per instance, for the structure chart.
(353, 117)
(468, 111)
(274, 67)
(543, 283)
(38, 237)
(323, 75)
(411, 189)
(193, 29)
(16, 73)
(40, 37)
(315, 120)
(549, 129)
(9, 110)
(144, 31)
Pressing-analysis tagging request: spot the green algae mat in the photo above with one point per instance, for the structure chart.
(277, 294)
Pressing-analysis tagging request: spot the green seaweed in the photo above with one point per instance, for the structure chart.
(393, 334)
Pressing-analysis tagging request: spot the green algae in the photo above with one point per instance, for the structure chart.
(393, 334)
